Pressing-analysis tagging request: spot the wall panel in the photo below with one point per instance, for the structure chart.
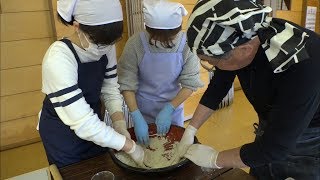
(20, 80)
(18, 132)
(25, 25)
(293, 16)
(19, 5)
(296, 5)
(54, 4)
(21, 105)
(23, 53)
(26, 32)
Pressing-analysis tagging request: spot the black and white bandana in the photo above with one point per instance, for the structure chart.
(218, 26)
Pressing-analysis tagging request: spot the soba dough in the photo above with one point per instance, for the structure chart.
(156, 155)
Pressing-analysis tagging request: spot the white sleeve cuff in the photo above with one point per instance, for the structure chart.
(116, 141)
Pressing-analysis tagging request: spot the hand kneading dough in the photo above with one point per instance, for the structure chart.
(159, 154)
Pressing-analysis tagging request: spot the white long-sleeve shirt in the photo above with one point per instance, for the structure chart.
(60, 72)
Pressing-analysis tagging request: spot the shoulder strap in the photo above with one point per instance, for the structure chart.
(144, 42)
(182, 42)
(69, 44)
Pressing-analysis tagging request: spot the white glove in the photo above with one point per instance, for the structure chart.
(185, 142)
(203, 156)
(121, 127)
(137, 154)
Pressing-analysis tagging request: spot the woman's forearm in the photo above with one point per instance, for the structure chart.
(130, 99)
(183, 94)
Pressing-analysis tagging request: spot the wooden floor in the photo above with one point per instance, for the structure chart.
(227, 128)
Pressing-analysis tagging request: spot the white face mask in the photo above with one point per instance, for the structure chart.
(93, 48)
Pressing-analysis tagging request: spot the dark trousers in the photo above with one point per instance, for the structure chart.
(302, 164)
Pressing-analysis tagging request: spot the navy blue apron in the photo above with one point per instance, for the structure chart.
(62, 145)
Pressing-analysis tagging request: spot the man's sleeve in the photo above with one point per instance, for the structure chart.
(218, 88)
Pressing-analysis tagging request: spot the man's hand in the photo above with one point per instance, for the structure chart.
(185, 142)
(203, 156)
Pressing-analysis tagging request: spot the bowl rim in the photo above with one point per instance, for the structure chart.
(112, 153)
(141, 170)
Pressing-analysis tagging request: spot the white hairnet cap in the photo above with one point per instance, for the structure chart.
(90, 12)
(162, 14)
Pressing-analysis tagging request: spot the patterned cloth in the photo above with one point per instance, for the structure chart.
(218, 26)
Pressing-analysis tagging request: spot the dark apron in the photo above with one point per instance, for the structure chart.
(302, 164)
(62, 145)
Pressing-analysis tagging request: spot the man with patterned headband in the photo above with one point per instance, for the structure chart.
(278, 65)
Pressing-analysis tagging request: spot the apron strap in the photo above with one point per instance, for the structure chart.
(182, 43)
(69, 44)
(144, 42)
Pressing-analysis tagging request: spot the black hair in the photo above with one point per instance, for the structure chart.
(106, 34)
(164, 36)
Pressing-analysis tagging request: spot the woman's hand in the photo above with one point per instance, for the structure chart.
(164, 118)
(140, 127)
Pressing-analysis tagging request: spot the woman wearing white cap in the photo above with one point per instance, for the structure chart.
(278, 65)
(75, 72)
(157, 70)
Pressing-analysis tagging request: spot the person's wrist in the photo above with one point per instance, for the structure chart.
(135, 114)
(171, 107)
(191, 130)
(130, 146)
(135, 111)
(214, 160)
